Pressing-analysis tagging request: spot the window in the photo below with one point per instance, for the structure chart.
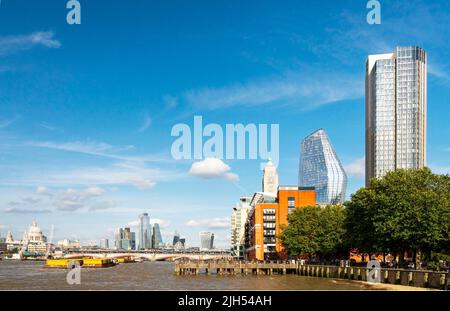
(291, 202)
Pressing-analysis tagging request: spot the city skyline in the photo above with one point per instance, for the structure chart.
(86, 113)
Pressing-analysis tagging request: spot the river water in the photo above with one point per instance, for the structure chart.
(30, 275)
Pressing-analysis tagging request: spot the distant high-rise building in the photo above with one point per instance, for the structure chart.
(321, 168)
(270, 178)
(145, 232)
(396, 111)
(157, 241)
(176, 238)
(183, 241)
(104, 243)
(238, 220)
(125, 239)
(206, 240)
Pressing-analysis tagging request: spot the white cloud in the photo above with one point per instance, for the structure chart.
(94, 191)
(47, 126)
(103, 205)
(146, 123)
(43, 191)
(142, 183)
(303, 90)
(12, 44)
(17, 210)
(123, 173)
(100, 149)
(440, 169)
(162, 223)
(133, 223)
(73, 199)
(211, 168)
(24, 201)
(4, 123)
(357, 168)
(213, 223)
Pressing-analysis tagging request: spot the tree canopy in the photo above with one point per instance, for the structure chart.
(314, 230)
(404, 210)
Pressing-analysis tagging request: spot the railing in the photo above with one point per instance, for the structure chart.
(417, 278)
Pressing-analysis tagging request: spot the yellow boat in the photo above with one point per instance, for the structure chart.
(97, 263)
(63, 263)
(126, 259)
(68, 263)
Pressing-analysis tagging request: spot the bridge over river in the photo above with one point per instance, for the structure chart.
(151, 255)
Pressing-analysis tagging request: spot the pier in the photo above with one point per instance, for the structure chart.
(416, 278)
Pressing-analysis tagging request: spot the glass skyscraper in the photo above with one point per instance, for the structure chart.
(321, 168)
(145, 232)
(157, 240)
(206, 240)
(396, 109)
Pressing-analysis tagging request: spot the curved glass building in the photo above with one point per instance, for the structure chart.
(321, 168)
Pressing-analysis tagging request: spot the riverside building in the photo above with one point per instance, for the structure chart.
(396, 111)
(268, 213)
(238, 220)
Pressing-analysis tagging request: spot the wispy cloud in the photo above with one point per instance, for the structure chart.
(47, 126)
(146, 124)
(24, 201)
(123, 173)
(73, 199)
(303, 90)
(212, 168)
(212, 223)
(13, 44)
(17, 210)
(103, 205)
(357, 168)
(4, 123)
(100, 149)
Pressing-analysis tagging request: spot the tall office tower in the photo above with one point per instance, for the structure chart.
(145, 232)
(125, 239)
(238, 220)
(206, 240)
(157, 241)
(176, 238)
(321, 168)
(270, 178)
(396, 111)
(104, 243)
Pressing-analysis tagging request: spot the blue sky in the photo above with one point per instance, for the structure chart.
(86, 111)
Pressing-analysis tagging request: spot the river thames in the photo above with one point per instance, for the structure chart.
(31, 275)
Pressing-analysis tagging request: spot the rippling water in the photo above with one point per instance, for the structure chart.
(154, 276)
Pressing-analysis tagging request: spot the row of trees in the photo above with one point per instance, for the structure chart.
(407, 210)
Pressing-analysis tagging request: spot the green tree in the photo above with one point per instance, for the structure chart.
(314, 230)
(405, 210)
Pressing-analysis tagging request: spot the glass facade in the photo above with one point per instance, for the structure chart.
(396, 103)
(321, 168)
(206, 240)
(145, 232)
